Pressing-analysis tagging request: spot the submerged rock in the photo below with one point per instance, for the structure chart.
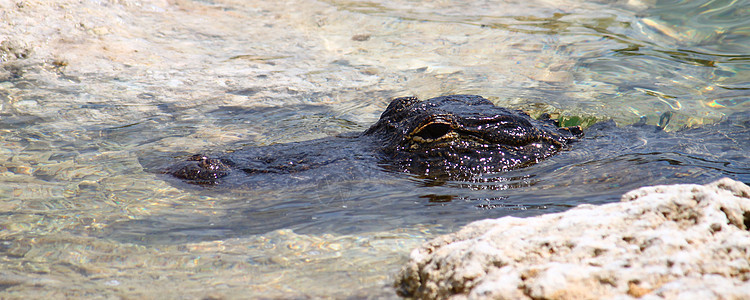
(675, 242)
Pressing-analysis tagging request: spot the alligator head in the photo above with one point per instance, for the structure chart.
(463, 135)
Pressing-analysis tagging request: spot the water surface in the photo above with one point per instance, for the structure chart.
(97, 89)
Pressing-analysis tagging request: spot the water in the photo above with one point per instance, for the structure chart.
(95, 89)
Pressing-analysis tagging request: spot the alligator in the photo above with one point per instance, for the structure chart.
(363, 181)
(456, 137)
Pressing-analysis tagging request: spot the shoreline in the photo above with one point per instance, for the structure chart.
(680, 241)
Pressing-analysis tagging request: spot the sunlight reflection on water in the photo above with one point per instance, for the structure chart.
(102, 90)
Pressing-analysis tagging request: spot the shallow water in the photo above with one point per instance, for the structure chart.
(98, 89)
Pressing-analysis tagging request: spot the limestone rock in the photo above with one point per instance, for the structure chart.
(662, 242)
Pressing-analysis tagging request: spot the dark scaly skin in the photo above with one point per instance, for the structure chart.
(449, 137)
(463, 135)
(200, 168)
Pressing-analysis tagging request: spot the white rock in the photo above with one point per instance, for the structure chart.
(661, 242)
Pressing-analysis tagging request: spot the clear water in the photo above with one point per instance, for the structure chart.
(96, 88)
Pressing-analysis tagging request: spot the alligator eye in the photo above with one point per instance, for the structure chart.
(433, 131)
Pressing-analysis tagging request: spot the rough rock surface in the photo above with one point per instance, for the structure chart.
(671, 242)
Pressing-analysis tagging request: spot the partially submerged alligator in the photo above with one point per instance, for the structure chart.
(449, 137)
(359, 182)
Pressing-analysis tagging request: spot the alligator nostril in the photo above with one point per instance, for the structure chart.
(433, 131)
